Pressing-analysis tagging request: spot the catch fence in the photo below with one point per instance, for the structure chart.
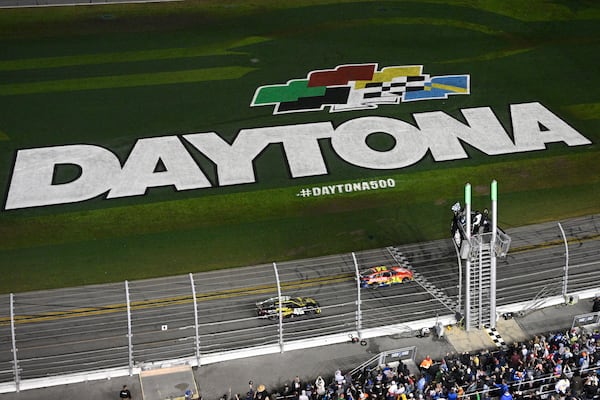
(100, 331)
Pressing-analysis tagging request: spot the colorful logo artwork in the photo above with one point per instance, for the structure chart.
(358, 87)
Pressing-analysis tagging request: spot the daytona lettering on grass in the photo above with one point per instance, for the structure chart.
(169, 160)
(347, 188)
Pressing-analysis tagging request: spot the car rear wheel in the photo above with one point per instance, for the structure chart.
(406, 280)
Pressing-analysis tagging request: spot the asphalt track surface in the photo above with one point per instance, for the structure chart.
(84, 329)
(274, 370)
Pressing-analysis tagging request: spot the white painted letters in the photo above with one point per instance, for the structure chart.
(33, 182)
(526, 120)
(349, 142)
(139, 172)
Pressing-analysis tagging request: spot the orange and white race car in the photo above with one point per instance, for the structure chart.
(384, 276)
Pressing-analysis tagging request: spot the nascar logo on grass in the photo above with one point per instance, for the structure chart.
(358, 87)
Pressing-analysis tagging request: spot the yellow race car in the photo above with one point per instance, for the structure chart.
(290, 307)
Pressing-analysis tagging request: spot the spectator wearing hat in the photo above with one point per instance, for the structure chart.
(584, 361)
(452, 394)
(261, 393)
(251, 392)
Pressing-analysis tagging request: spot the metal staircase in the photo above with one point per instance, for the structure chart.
(480, 281)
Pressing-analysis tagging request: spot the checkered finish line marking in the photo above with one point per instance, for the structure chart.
(496, 337)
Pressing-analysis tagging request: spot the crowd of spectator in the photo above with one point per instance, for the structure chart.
(561, 365)
(556, 366)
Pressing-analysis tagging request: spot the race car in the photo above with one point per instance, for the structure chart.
(290, 307)
(384, 276)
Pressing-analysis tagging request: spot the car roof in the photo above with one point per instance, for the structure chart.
(383, 268)
(376, 270)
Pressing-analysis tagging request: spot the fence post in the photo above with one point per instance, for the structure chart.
(280, 307)
(129, 329)
(14, 344)
(566, 269)
(195, 319)
(358, 301)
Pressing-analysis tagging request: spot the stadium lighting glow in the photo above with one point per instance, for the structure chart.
(468, 193)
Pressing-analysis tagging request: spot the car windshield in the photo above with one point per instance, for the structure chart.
(272, 302)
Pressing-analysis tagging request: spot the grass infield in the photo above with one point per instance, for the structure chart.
(108, 75)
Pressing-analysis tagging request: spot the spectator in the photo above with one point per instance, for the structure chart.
(125, 393)
(584, 361)
(506, 395)
(426, 364)
(286, 391)
(562, 385)
(250, 393)
(590, 386)
(261, 393)
(421, 383)
(543, 368)
(452, 394)
(596, 304)
(297, 385)
(320, 386)
(339, 378)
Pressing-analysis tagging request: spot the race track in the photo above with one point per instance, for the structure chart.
(85, 329)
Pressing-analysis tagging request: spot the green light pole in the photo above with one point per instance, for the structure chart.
(494, 197)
